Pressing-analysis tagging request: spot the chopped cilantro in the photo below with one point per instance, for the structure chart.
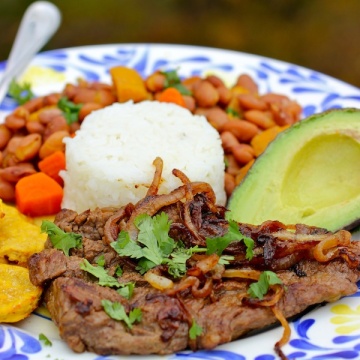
(117, 312)
(195, 330)
(60, 239)
(219, 244)
(119, 271)
(172, 79)
(232, 112)
(158, 248)
(100, 260)
(21, 93)
(127, 290)
(70, 110)
(99, 272)
(45, 340)
(261, 287)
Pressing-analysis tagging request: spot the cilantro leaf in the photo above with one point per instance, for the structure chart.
(101, 260)
(21, 93)
(117, 312)
(261, 287)
(219, 244)
(60, 239)
(70, 110)
(99, 272)
(44, 339)
(172, 79)
(195, 330)
(127, 290)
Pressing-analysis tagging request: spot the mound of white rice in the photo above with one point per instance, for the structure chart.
(110, 160)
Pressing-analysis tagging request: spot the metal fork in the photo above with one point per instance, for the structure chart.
(39, 23)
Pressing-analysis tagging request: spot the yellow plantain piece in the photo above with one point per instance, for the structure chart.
(18, 296)
(19, 237)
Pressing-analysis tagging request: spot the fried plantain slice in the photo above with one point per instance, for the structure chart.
(19, 238)
(18, 296)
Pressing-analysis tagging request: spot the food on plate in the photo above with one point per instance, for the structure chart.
(18, 296)
(35, 130)
(109, 161)
(308, 175)
(170, 273)
(19, 238)
(38, 195)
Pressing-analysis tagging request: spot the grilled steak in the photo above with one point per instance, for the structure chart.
(313, 265)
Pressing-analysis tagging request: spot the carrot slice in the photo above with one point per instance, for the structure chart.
(38, 195)
(52, 165)
(172, 95)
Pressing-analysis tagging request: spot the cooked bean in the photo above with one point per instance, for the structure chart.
(70, 91)
(232, 167)
(13, 143)
(225, 95)
(228, 141)
(243, 130)
(74, 127)
(34, 104)
(250, 101)
(263, 119)
(155, 82)
(14, 173)
(205, 94)
(29, 147)
(229, 184)
(57, 123)
(5, 136)
(7, 190)
(215, 80)
(51, 99)
(246, 81)
(47, 114)
(35, 127)
(87, 108)
(100, 86)
(216, 116)
(14, 122)
(243, 153)
(189, 102)
(85, 95)
(190, 82)
(53, 143)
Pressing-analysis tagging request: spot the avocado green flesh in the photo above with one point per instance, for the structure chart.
(309, 174)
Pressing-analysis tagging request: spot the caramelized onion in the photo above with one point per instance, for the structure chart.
(242, 273)
(112, 228)
(286, 333)
(158, 282)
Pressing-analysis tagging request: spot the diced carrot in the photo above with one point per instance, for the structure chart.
(129, 84)
(172, 95)
(52, 165)
(38, 195)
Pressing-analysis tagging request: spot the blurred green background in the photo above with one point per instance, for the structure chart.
(319, 34)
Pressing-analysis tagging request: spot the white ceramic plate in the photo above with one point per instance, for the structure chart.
(331, 331)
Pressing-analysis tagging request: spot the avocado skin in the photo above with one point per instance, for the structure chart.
(260, 195)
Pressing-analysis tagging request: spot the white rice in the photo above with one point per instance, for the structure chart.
(110, 160)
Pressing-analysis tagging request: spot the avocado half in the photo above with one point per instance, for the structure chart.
(309, 174)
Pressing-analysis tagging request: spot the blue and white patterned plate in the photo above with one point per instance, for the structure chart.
(328, 332)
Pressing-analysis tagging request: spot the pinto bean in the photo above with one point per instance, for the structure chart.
(155, 82)
(229, 184)
(57, 123)
(243, 153)
(263, 119)
(215, 80)
(87, 108)
(5, 136)
(47, 114)
(225, 95)
(52, 99)
(232, 167)
(14, 122)
(243, 130)
(28, 147)
(53, 143)
(7, 190)
(250, 101)
(85, 95)
(14, 173)
(216, 116)
(189, 102)
(247, 82)
(34, 104)
(191, 81)
(205, 94)
(229, 141)
(35, 127)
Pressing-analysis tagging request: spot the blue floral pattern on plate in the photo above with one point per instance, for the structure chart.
(314, 336)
